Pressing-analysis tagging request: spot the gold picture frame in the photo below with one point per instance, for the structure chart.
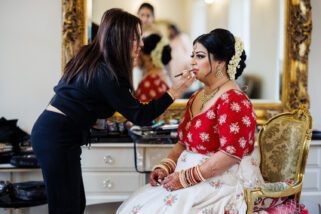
(298, 27)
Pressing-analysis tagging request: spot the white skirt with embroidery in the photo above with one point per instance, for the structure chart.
(215, 195)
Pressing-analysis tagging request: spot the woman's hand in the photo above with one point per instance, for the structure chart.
(171, 182)
(182, 83)
(157, 176)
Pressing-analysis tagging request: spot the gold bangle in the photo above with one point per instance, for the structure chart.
(189, 183)
(199, 173)
(155, 167)
(168, 166)
(195, 176)
(181, 179)
(192, 175)
(161, 167)
(169, 163)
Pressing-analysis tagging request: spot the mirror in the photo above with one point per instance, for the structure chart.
(242, 17)
(277, 45)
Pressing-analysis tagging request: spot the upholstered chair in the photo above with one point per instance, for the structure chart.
(283, 151)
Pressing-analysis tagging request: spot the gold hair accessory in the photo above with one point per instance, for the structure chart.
(235, 60)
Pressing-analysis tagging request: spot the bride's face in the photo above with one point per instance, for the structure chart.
(201, 63)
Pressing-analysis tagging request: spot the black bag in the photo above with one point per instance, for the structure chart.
(5, 188)
(6, 152)
(25, 161)
(11, 134)
(27, 191)
(24, 194)
(30, 191)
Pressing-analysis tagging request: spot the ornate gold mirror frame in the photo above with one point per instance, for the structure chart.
(298, 27)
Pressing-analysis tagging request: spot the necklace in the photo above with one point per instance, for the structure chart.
(206, 97)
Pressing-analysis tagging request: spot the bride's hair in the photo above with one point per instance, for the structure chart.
(220, 43)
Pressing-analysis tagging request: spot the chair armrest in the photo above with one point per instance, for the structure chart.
(252, 194)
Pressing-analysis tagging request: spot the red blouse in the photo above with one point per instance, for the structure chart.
(151, 87)
(227, 126)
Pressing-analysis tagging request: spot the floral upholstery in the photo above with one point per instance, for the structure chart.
(290, 206)
(266, 203)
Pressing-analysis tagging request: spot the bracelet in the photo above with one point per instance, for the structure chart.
(171, 95)
(169, 163)
(192, 172)
(182, 179)
(187, 180)
(160, 166)
(190, 177)
(169, 160)
(199, 173)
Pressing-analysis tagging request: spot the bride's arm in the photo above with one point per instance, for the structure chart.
(217, 164)
(176, 151)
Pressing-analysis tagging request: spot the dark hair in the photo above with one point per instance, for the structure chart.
(148, 6)
(94, 30)
(151, 41)
(220, 43)
(111, 47)
(174, 28)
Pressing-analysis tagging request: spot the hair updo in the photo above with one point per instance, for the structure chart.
(150, 43)
(220, 43)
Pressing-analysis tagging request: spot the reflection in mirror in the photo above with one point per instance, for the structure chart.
(154, 56)
(260, 24)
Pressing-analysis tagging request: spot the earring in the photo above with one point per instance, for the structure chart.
(219, 73)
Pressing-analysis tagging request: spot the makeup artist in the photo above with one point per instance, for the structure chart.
(96, 83)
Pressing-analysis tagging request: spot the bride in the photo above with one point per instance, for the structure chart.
(211, 163)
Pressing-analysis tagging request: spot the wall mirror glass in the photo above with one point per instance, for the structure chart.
(276, 34)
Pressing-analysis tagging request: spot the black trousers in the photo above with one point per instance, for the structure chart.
(56, 142)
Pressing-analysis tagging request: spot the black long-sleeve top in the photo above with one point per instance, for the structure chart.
(102, 97)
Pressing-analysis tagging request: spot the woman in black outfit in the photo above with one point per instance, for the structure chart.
(96, 83)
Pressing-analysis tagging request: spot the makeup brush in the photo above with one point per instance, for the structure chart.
(180, 74)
